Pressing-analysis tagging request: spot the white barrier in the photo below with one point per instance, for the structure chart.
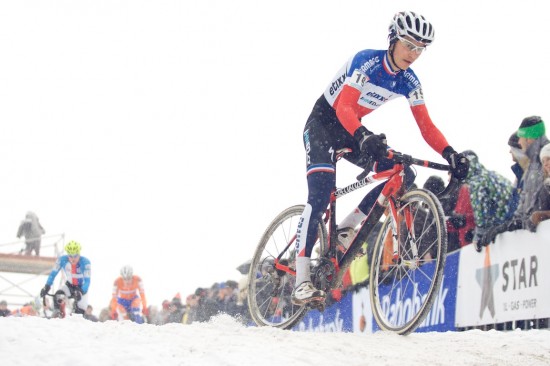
(507, 281)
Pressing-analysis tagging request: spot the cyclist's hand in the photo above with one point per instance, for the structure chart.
(371, 144)
(77, 294)
(45, 290)
(458, 163)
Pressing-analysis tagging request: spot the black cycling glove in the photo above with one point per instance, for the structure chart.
(45, 290)
(458, 163)
(371, 144)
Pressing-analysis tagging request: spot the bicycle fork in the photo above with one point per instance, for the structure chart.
(398, 220)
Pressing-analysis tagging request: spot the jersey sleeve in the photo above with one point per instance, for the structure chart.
(86, 275)
(429, 131)
(347, 109)
(59, 263)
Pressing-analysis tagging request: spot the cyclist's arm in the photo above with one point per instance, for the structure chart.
(86, 274)
(347, 109)
(59, 263)
(142, 293)
(114, 299)
(429, 131)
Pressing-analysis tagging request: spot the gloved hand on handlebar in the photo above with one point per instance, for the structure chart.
(371, 144)
(77, 294)
(45, 290)
(458, 163)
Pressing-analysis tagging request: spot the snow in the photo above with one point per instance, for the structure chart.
(225, 341)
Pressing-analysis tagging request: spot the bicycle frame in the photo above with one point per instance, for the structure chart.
(392, 189)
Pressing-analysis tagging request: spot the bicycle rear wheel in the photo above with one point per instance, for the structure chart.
(404, 285)
(269, 288)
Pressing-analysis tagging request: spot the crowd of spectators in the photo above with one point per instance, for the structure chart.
(487, 204)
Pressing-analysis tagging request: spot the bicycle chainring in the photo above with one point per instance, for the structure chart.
(322, 273)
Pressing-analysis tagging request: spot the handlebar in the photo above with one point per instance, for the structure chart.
(410, 160)
(407, 160)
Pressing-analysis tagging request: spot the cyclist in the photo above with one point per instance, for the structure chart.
(77, 270)
(369, 79)
(126, 304)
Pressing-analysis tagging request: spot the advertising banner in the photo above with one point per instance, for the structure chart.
(508, 280)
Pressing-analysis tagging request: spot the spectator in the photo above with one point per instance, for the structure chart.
(491, 197)
(434, 184)
(164, 312)
(458, 210)
(207, 306)
(154, 315)
(4, 311)
(31, 229)
(28, 309)
(104, 315)
(128, 300)
(191, 309)
(542, 202)
(77, 271)
(531, 138)
(89, 314)
(521, 162)
(520, 159)
(176, 310)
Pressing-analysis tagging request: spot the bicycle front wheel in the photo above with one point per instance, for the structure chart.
(270, 288)
(408, 261)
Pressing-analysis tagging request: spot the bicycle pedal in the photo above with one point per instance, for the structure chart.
(317, 305)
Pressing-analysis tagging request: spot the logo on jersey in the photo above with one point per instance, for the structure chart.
(370, 63)
(336, 84)
(411, 79)
(308, 146)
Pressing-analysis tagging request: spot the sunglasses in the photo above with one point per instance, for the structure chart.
(411, 46)
(73, 256)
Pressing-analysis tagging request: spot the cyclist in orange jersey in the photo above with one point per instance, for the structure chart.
(129, 300)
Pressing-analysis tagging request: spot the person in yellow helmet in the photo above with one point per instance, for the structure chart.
(77, 271)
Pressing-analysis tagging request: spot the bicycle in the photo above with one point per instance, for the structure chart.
(61, 300)
(407, 260)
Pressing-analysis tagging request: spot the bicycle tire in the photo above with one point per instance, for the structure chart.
(269, 289)
(402, 292)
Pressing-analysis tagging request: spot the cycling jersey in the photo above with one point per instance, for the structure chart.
(125, 293)
(77, 274)
(366, 82)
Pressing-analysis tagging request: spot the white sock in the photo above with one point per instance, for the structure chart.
(353, 219)
(302, 270)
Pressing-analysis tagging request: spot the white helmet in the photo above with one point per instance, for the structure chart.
(127, 272)
(408, 23)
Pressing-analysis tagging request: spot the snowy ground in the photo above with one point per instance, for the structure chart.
(75, 341)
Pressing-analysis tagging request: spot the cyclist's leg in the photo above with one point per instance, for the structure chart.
(123, 308)
(82, 304)
(320, 142)
(135, 309)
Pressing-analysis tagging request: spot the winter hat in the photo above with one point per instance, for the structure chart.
(545, 152)
(531, 128)
(434, 184)
(513, 141)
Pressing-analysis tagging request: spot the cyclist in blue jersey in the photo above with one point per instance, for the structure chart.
(77, 271)
(368, 80)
